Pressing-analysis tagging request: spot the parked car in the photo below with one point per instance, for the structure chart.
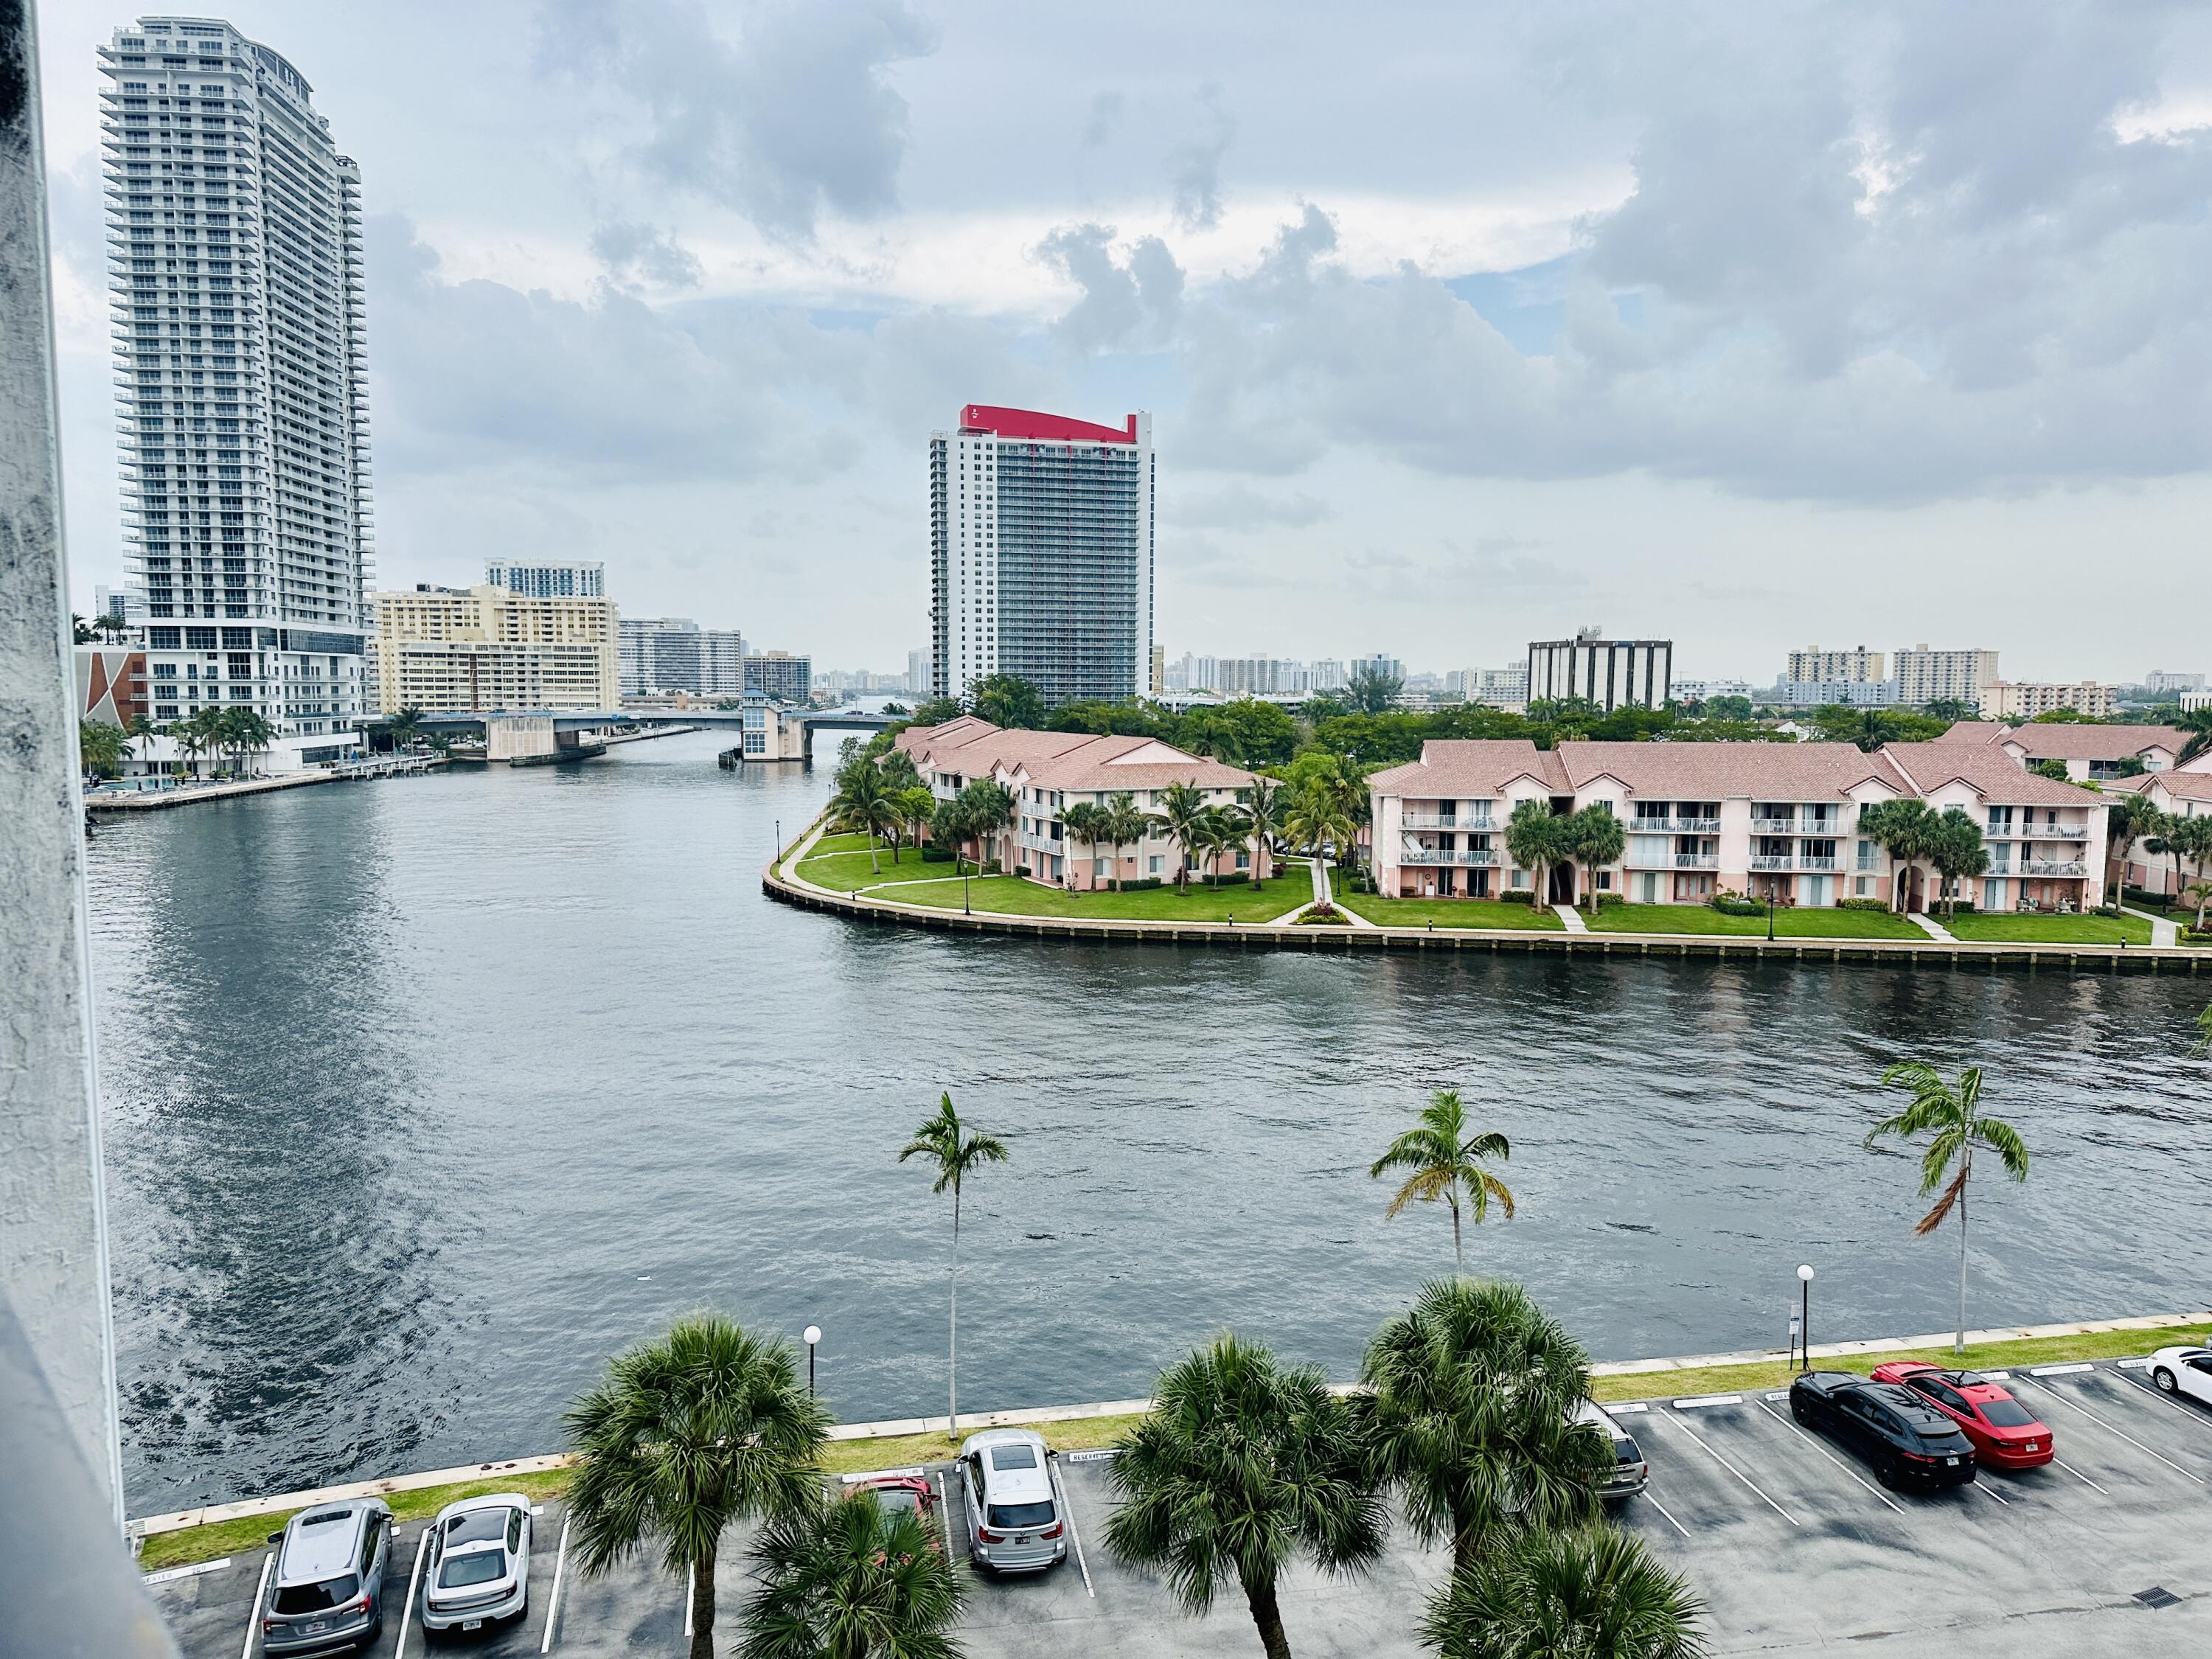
(2005, 1433)
(2184, 1372)
(1630, 1474)
(479, 1568)
(902, 1492)
(1907, 1441)
(327, 1590)
(1014, 1522)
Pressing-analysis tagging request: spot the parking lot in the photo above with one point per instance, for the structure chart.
(1791, 1541)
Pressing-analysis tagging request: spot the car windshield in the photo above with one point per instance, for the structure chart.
(1009, 1517)
(2007, 1414)
(895, 1498)
(478, 1567)
(476, 1527)
(317, 1598)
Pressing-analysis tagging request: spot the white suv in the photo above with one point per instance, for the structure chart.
(1014, 1519)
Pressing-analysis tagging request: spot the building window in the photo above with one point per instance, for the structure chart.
(1152, 867)
(1862, 887)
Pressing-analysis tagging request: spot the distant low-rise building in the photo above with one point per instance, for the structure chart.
(780, 676)
(2087, 752)
(2164, 679)
(488, 650)
(1852, 694)
(1611, 673)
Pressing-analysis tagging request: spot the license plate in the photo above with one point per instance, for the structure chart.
(471, 1624)
(2033, 1446)
(320, 1625)
(1952, 1462)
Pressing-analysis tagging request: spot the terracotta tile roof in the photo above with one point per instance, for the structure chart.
(2061, 740)
(1720, 771)
(1473, 767)
(1991, 772)
(973, 747)
(1083, 771)
(1067, 760)
(2183, 786)
(1974, 731)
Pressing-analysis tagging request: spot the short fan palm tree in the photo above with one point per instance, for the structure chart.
(1443, 1160)
(1951, 1117)
(1470, 1416)
(706, 1426)
(1594, 1593)
(943, 1143)
(1243, 1465)
(851, 1580)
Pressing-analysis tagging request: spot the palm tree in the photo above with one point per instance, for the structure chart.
(948, 827)
(1955, 1126)
(1318, 820)
(1221, 831)
(2197, 722)
(707, 1425)
(2125, 820)
(900, 772)
(862, 803)
(915, 807)
(850, 1580)
(2192, 837)
(101, 748)
(1442, 1158)
(404, 725)
(1085, 821)
(989, 806)
(1956, 849)
(1594, 837)
(1265, 804)
(2162, 835)
(1471, 1416)
(1593, 1592)
(1242, 1465)
(953, 1154)
(1124, 825)
(1535, 841)
(1903, 828)
(1181, 805)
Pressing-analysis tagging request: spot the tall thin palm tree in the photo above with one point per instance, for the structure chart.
(862, 803)
(685, 1435)
(1442, 1157)
(2125, 820)
(2197, 722)
(1219, 831)
(851, 1580)
(1243, 1465)
(1594, 838)
(1471, 1416)
(1085, 821)
(954, 1154)
(1952, 1119)
(1182, 807)
(1125, 824)
(1535, 841)
(1265, 804)
(1592, 1592)
(1904, 830)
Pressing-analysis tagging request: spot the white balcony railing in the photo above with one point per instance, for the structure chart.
(1479, 857)
(1697, 826)
(2053, 867)
(1813, 862)
(1772, 861)
(1697, 860)
(1440, 821)
(1774, 826)
(1869, 866)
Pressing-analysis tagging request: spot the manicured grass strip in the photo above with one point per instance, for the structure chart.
(250, 1533)
(2046, 930)
(1012, 895)
(1807, 923)
(852, 844)
(1979, 1356)
(846, 871)
(1451, 913)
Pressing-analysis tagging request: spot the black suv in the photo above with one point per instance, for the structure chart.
(1907, 1441)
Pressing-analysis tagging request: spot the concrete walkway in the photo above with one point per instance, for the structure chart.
(1935, 929)
(2162, 931)
(1570, 918)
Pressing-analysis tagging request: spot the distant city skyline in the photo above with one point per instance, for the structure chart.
(1446, 354)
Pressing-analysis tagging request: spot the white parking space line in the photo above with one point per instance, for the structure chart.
(1664, 1511)
(1682, 1425)
(2078, 1476)
(1799, 1428)
(553, 1602)
(260, 1594)
(2159, 1395)
(945, 1514)
(1074, 1537)
(2074, 1368)
(414, 1576)
(690, 1591)
(2074, 1404)
(170, 1574)
(1627, 1409)
(1986, 1490)
(1709, 1399)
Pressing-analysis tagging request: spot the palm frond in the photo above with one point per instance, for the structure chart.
(2003, 1139)
(1935, 1217)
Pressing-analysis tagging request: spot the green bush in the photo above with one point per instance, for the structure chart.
(990, 866)
(932, 854)
(1737, 907)
(1606, 900)
(1517, 896)
(1862, 904)
(1022, 870)
(1228, 880)
(1136, 884)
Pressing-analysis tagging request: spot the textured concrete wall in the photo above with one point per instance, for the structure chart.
(53, 1252)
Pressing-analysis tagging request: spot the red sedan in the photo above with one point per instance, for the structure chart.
(2005, 1433)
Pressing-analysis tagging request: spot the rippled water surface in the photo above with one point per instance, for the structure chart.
(426, 1095)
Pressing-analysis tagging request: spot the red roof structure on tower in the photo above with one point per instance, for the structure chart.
(1052, 428)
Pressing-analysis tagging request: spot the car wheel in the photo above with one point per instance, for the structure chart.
(2164, 1379)
(1797, 1409)
(1885, 1472)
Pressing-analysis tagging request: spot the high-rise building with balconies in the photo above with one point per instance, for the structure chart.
(1041, 553)
(1859, 665)
(1925, 676)
(234, 274)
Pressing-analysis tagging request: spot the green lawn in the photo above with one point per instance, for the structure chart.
(2015, 929)
(1012, 895)
(1808, 923)
(844, 871)
(1449, 913)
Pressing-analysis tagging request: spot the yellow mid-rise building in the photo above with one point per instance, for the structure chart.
(487, 650)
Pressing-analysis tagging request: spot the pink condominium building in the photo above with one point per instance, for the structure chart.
(1049, 772)
(1770, 819)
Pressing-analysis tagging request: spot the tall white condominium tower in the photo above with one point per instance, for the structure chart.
(234, 235)
(549, 579)
(1041, 553)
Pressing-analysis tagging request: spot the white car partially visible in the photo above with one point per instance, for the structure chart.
(478, 1571)
(2186, 1372)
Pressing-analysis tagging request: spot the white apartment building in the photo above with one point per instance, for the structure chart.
(674, 653)
(2023, 700)
(549, 579)
(2087, 752)
(235, 284)
(1857, 664)
(2165, 679)
(490, 650)
(917, 672)
(1778, 820)
(1611, 673)
(1041, 553)
(1925, 676)
(2193, 701)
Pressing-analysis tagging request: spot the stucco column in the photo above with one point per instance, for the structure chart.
(53, 1247)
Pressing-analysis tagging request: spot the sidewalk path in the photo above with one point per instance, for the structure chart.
(2162, 932)
(1572, 917)
(1933, 928)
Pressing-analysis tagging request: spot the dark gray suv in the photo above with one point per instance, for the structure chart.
(327, 1590)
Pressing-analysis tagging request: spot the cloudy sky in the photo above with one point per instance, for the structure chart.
(1750, 325)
